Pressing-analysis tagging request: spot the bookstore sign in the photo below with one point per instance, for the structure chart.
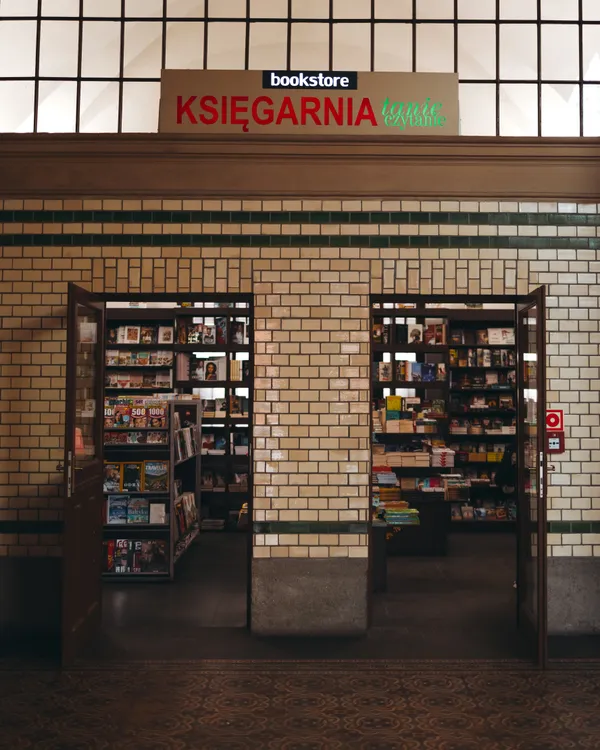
(308, 102)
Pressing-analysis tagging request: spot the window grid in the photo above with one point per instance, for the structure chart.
(582, 84)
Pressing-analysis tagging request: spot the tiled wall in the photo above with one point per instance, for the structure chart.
(312, 266)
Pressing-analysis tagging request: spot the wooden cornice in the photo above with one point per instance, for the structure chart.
(165, 166)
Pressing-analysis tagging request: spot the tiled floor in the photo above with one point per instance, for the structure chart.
(308, 706)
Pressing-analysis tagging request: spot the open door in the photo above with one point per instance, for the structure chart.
(531, 513)
(82, 538)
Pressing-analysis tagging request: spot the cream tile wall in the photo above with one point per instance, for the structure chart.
(312, 266)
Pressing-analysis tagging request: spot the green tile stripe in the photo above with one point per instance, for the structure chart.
(362, 527)
(574, 527)
(311, 527)
(302, 217)
(299, 241)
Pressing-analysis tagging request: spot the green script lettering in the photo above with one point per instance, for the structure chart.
(412, 114)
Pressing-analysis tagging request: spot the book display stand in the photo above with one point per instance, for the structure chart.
(177, 432)
(443, 422)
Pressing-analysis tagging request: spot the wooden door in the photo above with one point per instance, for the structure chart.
(82, 538)
(532, 511)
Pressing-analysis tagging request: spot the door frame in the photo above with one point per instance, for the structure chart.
(517, 301)
(537, 299)
(247, 297)
(74, 622)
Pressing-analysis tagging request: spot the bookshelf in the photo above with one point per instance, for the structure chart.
(156, 418)
(444, 413)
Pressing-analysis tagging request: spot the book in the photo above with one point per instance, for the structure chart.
(417, 371)
(238, 329)
(208, 442)
(156, 476)
(221, 326)
(194, 333)
(116, 508)
(132, 476)
(393, 403)
(428, 371)
(112, 336)
(384, 370)
(482, 336)
(378, 333)
(112, 358)
(495, 336)
(112, 477)
(156, 413)
(108, 560)
(440, 371)
(157, 513)
(415, 333)
(148, 335)
(165, 335)
(209, 336)
(138, 510)
(211, 370)
(124, 358)
(139, 413)
(150, 556)
(132, 335)
(195, 370)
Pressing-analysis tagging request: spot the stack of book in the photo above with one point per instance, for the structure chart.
(442, 457)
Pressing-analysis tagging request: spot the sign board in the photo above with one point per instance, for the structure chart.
(308, 102)
(555, 442)
(555, 420)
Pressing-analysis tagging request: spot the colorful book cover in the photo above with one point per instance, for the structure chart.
(415, 333)
(148, 335)
(109, 555)
(138, 510)
(165, 335)
(132, 476)
(116, 509)
(112, 477)
(122, 555)
(221, 326)
(138, 413)
(156, 476)
(238, 329)
(150, 556)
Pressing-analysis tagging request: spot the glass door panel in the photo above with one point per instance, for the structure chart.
(532, 474)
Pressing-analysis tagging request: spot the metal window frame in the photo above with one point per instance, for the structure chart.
(289, 20)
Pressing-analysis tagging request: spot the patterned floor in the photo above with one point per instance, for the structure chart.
(292, 706)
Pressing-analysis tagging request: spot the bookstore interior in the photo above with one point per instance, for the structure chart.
(454, 469)
(456, 507)
(176, 458)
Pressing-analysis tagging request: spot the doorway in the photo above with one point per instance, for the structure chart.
(169, 462)
(458, 522)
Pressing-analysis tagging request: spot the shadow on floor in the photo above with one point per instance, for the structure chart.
(458, 607)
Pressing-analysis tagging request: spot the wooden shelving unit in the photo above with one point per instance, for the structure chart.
(185, 474)
(464, 385)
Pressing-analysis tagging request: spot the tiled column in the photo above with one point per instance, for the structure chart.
(312, 445)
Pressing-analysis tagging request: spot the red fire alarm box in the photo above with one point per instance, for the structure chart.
(555, 442)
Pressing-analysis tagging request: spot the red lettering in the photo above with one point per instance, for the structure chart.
(236, 110)
(209, 104)
(267, 116)
(310, 108)
(224, 109)
(350, 111)
(365, 112)
(184, 110)
(330, 111)
(287, 112)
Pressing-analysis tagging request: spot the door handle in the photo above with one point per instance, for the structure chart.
(60, 466)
